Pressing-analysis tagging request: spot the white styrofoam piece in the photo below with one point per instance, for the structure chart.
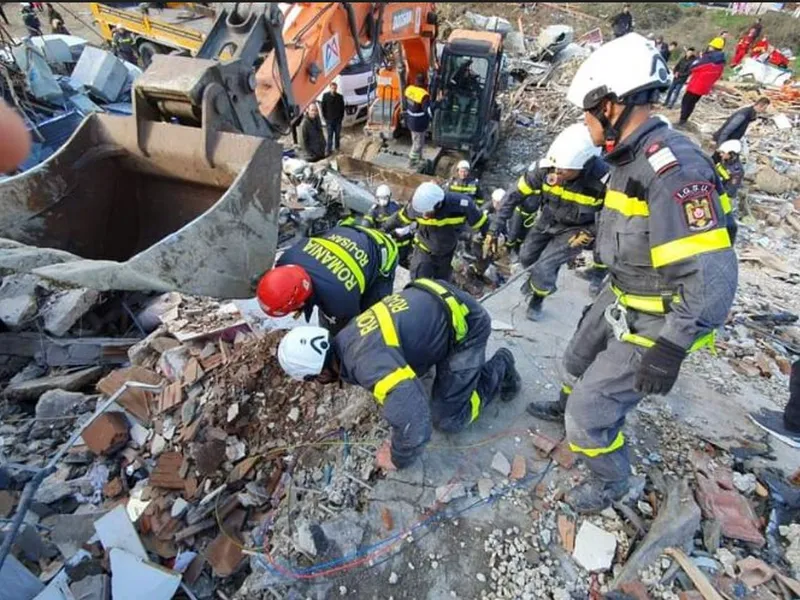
(133, 578)
(594, 548)
(115, 530)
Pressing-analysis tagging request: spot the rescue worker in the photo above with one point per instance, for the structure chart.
(343, 272)
(673, 276)
(731, 173)
(418, 117)
(567, 196)
(439, 216)
(389, 347)
(735, 126)
(703, 74)
(31, 21)
(465, 183)
(380, 212)
(124, 45)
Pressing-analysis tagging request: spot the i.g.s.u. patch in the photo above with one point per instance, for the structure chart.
(464, 202)
(660, 158)
(697, 203)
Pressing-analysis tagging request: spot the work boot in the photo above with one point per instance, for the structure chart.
(595, 495)
(774, 423)
(512, 382)
(534, 311)
(550, 411)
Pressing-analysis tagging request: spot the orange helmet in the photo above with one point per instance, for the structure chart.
(283, 290)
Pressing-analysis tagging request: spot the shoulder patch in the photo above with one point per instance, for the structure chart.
(464, 202)
(660, 157)
(697, 202)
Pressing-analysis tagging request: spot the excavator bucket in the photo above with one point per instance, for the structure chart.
(167, 207)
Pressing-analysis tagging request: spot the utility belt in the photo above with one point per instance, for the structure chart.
(387, 246)
(616, 316)
(458, 310)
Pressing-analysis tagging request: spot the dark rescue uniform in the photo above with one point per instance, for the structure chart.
(673, 276)
(471, 186)
(394, 343)
(437, 237)
(551, 216)
(378, 216)
(351, 267)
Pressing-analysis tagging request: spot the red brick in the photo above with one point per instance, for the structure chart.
(635, 589)
(107, 433)
(564, 456)
(543, 443)
(135, 401)
(224, 554)
(170, 397)
(518, 467)
(167, 472)
(730, 508)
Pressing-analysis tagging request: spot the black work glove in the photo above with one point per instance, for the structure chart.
(659, 368)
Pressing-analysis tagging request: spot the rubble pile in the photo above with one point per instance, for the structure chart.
(191, 472)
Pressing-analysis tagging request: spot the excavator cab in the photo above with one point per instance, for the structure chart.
(466, 121)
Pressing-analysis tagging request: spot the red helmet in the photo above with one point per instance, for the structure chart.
(283, 290)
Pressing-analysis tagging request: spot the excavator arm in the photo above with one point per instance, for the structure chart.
(320, 39)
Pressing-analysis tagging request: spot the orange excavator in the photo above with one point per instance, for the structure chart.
(185, 194)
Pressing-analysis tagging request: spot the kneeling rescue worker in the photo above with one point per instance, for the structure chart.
(390, 346)
(673, 272)
(568, 194)
(439, 216)
(343, 272)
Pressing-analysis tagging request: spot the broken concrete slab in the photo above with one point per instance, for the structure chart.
(94, 587)
(58, 403)
(70, 381)
(107, 433)
(67, 352)
(70, 532)
(115, 530)
(134, 578)
(17, 582)
(501, 465)
(62, 310)
(55, 487)
(677, 521)
(733, 511)
(594, 548)
(485, 487)
(18, 302)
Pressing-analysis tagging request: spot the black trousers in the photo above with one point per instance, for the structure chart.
(688, 103)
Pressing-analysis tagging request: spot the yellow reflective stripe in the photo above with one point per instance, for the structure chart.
(522, 212)
(384, 242)
(725, 201)
(723, 172)
(421, 244)
(571, 196)
(384, 387)
(630, 207)
(466, 189)
(704, 341)
(699, 243)
(648, 304)
(597, 265)
(416, 94)
(348, 260)
(442, 222)
(522, 186)
(458, 311)
(567, 389)
(537, 291)
(618, 443)
(403, 243)
(475, 401)
(386, 324)
(402, 216)
(479, 223)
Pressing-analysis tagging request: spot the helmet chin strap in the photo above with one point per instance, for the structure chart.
(612, 131)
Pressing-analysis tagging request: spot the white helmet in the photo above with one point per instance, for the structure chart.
(383, 194)
(734, 146)
(620, 70)
(426, 197)
(302, 351)
(498, 195)
(664, 120)
(572, 148)
(462, 164)
(542, 163)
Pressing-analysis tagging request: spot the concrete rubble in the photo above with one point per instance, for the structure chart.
(235, 482)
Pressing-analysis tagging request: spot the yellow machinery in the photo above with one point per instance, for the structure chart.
(180, 27)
